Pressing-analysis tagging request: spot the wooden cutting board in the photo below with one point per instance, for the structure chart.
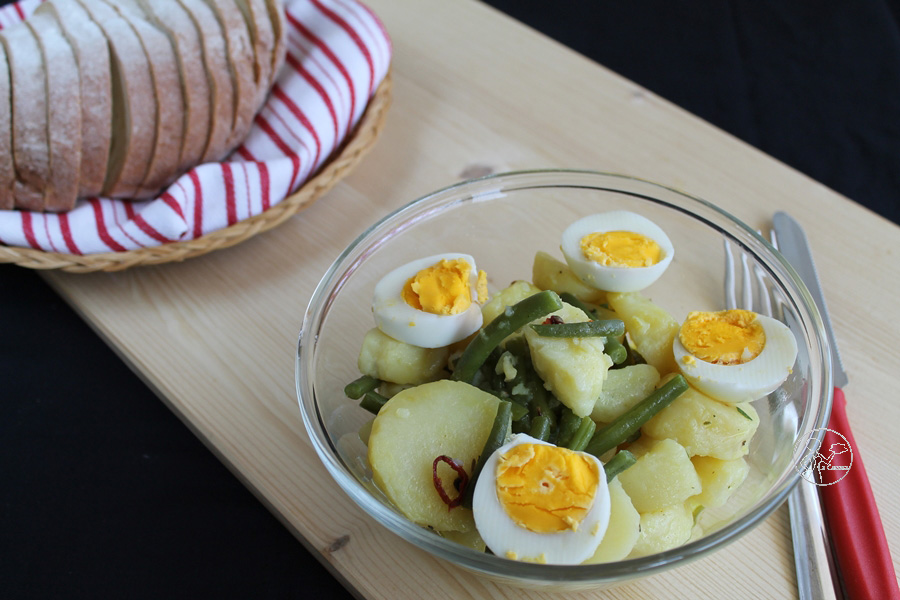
(216, 336)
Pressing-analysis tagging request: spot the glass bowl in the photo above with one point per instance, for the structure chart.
(502, 220)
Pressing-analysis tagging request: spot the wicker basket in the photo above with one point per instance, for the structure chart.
(341, 163)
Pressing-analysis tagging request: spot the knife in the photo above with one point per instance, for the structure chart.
(857, 536)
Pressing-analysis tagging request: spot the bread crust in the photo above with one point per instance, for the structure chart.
(171, 18)
(262, 36)
(276, 16)
(63, 113)
(218, 75)
(134, 104)
(31, 148)
(7, 172)
(92, 56)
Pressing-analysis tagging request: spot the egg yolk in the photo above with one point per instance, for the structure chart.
(546, 489)
(729, 337)
(443, 289)
(621, 249)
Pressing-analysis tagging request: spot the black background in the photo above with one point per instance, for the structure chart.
(105, 493)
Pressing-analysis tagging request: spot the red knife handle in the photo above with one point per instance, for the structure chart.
(857, 536)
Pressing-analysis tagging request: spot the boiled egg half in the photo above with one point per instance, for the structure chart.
(539, 503)
(431, 302)
(734, 355)
(617, 251)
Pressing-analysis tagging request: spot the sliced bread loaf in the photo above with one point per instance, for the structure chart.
(169, 99)
(219, 77)
(31, 147)
(170, 18)
(134, 104)
(262, 37)
(276, 16)
(241, 58)
(63, 112)
(92, 55)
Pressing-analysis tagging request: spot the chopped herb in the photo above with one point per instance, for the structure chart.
(746, 416)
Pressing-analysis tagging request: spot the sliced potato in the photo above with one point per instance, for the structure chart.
(663, 530)
(442, 418)
(623, 530)
(623, 389)
(663, 475)
(574, 369)
(704, 426)
(385, 358)
(651, 328)
(549, 273)
(718, 478)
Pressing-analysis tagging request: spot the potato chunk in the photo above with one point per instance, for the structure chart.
(663, 530)
(518, 290)
(623, 389)
(549, 273)
(718, 478)
(662, 476)
(706, 427)
(650, 327)
(443, 418)
(388, 359)
(574, 369)
(623, 530)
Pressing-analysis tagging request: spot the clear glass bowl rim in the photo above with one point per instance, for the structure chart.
(483, 188)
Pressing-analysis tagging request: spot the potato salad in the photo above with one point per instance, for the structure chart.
(568, 419)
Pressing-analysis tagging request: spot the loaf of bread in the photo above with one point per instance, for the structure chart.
(119, 97)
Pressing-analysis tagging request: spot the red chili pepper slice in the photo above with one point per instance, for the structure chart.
(439, 485)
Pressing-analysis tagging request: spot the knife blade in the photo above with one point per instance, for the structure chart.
(857, 536)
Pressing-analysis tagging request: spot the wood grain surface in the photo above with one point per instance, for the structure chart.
(216, 336)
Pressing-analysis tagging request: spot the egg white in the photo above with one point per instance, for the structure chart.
(615, 279)
(396, 318)
(503, 536)
(745, 382)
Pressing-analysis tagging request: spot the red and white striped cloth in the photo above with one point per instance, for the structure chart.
(337, 54)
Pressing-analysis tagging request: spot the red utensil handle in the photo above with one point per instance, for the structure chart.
(857, 535)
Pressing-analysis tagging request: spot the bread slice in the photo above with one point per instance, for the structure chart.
(219, 77)
(262, 37)
(92, 55)
(170, 18)
(31, 147)
(7, 172)
(63, 113)
(241, 57)
(276, 16)
(169, 98)
(134, 104)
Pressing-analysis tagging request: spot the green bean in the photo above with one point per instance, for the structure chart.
(618, 463)
(583, 435)
(372, 402)
(540, 428)
(600, 327)
(631, 421)
(512, 318)
(568, 425)
(615, 350)
(518, 411)
(357, 388)
(496, 438)
(540, 404)
(570, 298)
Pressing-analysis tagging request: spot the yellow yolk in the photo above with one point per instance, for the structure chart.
(442, 289)
(729, 337)
(621, 249)
(546, 489)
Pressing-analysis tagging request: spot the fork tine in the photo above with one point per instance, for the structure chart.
(746, 283)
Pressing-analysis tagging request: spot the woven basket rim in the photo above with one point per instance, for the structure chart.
(341, 163)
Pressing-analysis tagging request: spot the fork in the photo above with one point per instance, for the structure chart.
(812, 553)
